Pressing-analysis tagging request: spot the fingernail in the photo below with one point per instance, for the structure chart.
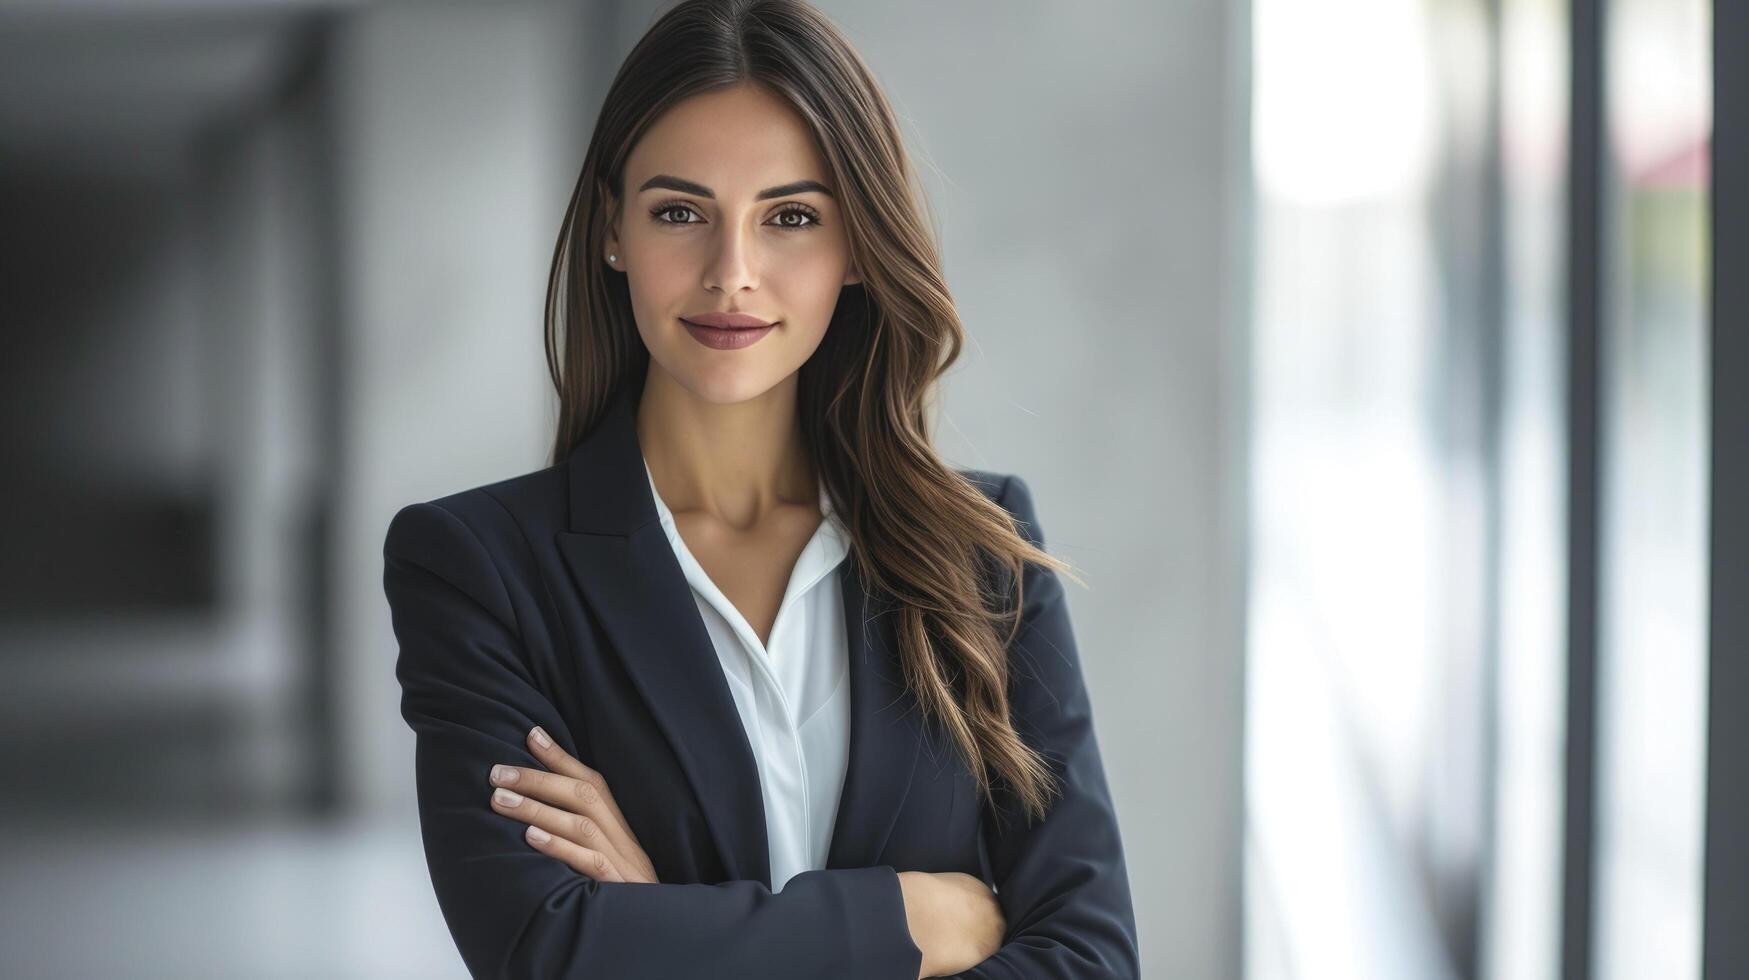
(540, 738)
(503, 774)
(505, 797)
(538, 835)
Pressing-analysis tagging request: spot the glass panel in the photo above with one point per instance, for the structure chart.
(1522, 904)
(1368, 614)
(1652, 656)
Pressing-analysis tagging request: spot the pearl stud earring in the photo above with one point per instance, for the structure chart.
(611, 258)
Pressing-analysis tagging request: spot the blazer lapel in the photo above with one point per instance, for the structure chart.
(628, 575)
(884, 741)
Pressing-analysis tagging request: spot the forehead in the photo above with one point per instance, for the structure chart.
(735, 141)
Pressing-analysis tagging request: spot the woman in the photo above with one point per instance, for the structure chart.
(748, 682)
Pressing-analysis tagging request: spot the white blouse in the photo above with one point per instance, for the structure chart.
(793, 697)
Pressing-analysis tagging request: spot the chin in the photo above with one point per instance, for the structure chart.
(729, 387)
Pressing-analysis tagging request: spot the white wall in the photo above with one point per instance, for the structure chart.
(457, 151)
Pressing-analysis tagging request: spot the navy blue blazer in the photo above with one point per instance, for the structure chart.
(555, 599)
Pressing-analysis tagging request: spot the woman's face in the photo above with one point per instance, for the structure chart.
(728, 209)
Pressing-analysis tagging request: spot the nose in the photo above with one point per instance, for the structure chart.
(733, 264)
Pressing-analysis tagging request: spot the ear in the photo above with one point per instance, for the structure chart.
(852, 278)
(610, 235)
(610, 246)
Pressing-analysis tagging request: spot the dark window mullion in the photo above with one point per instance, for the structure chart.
(1585, 276)
(1726, 944)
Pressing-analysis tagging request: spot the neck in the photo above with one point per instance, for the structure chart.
(738, 463)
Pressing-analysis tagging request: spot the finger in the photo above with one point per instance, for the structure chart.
(582, 860)
(574, 827)
(579, 796)
(558, 760)
(550, 754)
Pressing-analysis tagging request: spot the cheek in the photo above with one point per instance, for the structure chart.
(662, 287)
(810, 288)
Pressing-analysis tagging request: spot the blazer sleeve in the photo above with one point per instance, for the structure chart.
(470, 699)
(1061, 882)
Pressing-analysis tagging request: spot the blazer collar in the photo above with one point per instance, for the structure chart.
(629, 577)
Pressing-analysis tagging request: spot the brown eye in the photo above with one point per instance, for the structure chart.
(801, 210)
(657, 213)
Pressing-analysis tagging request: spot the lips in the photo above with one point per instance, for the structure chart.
(728, 321)
(726, 338)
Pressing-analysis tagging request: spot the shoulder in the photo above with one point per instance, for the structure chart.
(498, 518)
(1013, 494)
(994, 484)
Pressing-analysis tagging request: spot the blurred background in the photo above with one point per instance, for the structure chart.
(1364, 355)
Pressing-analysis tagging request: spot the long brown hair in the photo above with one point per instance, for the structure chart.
(920, 531)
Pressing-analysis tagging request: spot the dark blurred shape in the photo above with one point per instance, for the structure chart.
(166, 385)
(104, 549)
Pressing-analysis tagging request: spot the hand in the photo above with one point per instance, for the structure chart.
(571, 814)
(954, 920)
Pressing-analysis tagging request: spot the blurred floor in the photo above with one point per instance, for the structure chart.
(263, 900)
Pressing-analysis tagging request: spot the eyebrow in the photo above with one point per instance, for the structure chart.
(690, 187)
